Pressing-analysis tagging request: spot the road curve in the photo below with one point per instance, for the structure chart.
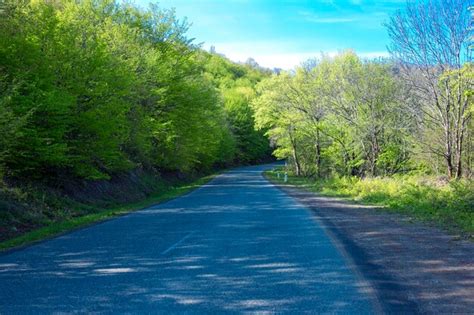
(237, 244)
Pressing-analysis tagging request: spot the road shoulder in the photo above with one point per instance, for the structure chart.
(414, 268)
(57, 229)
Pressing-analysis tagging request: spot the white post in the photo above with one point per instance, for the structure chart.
(278, 175)
(286, 177)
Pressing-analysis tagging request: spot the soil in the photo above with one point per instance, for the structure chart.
(414, 268)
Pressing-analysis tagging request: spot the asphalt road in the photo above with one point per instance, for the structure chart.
(237, 244)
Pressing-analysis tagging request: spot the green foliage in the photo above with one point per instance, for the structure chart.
(29, 101)
(237, 85)
(348, 124)
(94, 88)
(431, 199)
(339, 115)
(63, 215)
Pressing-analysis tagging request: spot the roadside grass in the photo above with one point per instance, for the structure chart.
(447, 205)
(57, 228)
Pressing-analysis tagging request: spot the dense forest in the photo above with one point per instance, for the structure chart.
(94, 89)
(353, 117)
(396, 132)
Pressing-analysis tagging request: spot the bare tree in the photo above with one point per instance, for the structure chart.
(430, 39)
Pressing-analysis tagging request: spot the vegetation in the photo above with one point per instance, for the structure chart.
(98, 214)
(350, 117)
(94, 90)
(397, 132)
(446, 204)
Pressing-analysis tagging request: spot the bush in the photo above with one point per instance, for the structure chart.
(432, 199)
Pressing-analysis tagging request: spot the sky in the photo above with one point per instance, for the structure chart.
(282, 34)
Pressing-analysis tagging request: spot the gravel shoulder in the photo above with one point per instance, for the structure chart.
(413, 268)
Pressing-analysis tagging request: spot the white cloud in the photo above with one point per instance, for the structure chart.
(374, 54)
(283, 54)
(373, 18)
(279, 59)
(330, 20)
(291, 60)
(315, 18)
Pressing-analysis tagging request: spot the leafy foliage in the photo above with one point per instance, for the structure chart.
(426, 198)
(93, 88)
(338, 116)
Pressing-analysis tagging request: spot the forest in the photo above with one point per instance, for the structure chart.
(94, 89)
(90, 90)
(397, 132)
(357, 117)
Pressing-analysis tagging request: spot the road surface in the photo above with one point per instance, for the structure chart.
(237, 244)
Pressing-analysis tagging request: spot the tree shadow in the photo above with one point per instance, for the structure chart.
(235, 245)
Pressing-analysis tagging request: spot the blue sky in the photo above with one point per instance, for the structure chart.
(284, 33)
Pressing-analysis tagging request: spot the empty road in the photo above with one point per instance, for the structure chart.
(237, 244)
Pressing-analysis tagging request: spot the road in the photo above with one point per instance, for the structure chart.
(237, 244)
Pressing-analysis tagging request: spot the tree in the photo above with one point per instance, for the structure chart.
(236, 84)
(364, 96)
(274, 112)
(336, 115)
(93, 88)
(430, 39)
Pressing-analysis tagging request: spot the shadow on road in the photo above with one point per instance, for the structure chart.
(237, 244)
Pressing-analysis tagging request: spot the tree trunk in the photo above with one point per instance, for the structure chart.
(318, 154)
(374, 154)
(468, 153)
(459, 150)
(448, 155)
(449, 165)
(297, 163)
(294, 152)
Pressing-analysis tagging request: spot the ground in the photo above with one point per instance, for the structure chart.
(406, 262)
(240, 244)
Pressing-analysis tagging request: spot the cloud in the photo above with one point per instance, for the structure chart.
(283, 60)
(272, 58)
(289, 61)
(314, 18)
(374, 54)
(331, 20)
(267, 54)
(372, 18)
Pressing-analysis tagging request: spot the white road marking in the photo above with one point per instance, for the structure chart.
(177, 244)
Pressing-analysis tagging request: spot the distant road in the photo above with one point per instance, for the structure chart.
(237, 244)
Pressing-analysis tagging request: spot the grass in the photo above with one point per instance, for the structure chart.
(449, 205)
(57, 228)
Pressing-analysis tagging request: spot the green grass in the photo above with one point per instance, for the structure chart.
(57, 228)
(448, 205)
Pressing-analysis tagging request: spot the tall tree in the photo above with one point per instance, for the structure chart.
(337, 115)
(430, 39)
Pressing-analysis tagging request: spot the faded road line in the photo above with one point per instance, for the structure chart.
(177, 244)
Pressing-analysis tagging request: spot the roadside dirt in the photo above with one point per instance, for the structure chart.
(412, 267)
